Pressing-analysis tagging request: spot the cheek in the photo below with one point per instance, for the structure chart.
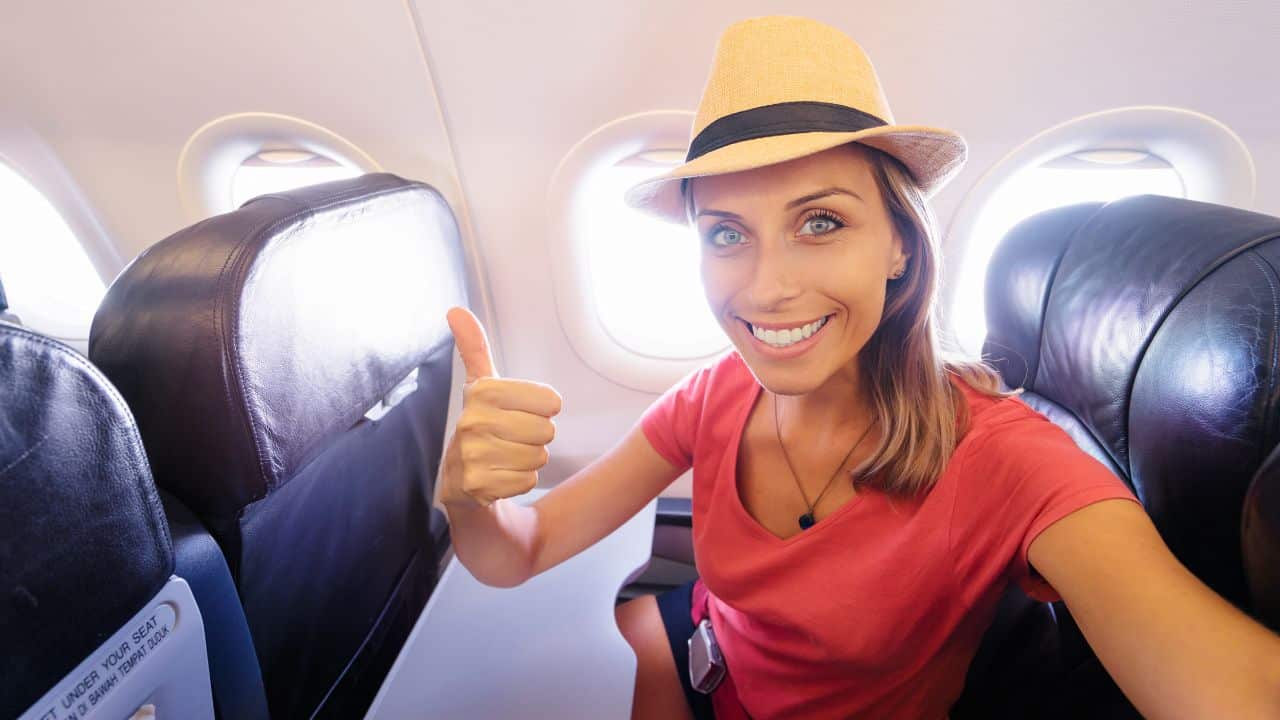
(861, 293)
(717, 282)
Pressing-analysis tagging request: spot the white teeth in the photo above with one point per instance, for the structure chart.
(784, 338)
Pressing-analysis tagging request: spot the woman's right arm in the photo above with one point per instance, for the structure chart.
(496, 449)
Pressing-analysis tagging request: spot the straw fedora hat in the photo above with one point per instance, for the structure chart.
(784, 87)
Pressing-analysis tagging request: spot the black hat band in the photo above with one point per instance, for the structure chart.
(785, 118)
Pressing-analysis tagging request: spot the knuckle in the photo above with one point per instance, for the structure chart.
(557, 402)
(482, 390)
(546, 395)
(476, 422)
(471, 453)
(468, 423)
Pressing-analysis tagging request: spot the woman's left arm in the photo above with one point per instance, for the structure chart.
(1176, 648)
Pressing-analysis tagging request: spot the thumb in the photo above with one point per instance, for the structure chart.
(472, 344)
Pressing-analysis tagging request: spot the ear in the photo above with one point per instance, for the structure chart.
(900, 257)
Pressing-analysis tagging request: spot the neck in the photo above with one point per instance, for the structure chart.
(841, 404)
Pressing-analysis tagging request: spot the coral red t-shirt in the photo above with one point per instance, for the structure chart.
(876, 611)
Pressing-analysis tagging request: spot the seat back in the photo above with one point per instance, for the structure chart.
(91, 618)
(1261, 536)
(289, 365)
(1146, 328)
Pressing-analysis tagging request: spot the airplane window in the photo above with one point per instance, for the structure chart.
(275, 170)
(1089, 176)
(647, 289)
(49, 281)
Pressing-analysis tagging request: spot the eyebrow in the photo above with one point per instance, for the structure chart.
(719, 213)
(825, 192)
(821, 194)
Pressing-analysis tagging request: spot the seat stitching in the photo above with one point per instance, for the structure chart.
(1210, 269)
(134, 439)
(230, 341)
(1048, 293)
(23, 456)
(1270, 273)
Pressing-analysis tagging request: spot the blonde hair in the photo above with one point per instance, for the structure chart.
(922, 415)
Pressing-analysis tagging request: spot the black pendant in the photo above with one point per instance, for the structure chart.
(806, 521)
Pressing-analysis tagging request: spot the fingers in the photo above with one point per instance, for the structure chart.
(512, 425)
(497, 454)
(508, 394)
(501, 438)
(472, 343)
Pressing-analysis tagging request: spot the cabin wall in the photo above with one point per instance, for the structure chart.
(484, 98)
(118, 89)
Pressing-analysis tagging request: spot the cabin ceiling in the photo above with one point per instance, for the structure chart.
(113, 86)
(984, 67)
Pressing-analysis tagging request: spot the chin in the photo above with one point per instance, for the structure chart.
(781, 381)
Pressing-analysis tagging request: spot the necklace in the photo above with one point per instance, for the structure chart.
(806, 520)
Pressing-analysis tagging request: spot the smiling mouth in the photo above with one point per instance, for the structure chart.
(789, 336)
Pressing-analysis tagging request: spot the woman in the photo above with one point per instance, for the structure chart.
(865, 597)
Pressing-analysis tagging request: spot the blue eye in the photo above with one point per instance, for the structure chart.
(730, 237)
(820, 224)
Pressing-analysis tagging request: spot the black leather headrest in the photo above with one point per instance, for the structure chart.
(83, 539)
(306, 306)
(1147, 328)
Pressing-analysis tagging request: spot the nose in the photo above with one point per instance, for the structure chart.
(773, 279)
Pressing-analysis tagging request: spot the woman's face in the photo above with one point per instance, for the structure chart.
(790, 245)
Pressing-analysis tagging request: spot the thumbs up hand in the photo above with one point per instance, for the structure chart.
(500, 440)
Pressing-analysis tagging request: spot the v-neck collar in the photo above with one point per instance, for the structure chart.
(746, 517)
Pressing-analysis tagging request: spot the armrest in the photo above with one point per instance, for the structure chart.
(675, 511)
(673, 533)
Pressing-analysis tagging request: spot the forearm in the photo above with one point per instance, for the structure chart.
(1175, 647)
(496, 543)
(1227, 667)
(1224, 664)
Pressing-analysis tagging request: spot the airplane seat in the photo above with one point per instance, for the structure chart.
(289, 365)
(92, 617)
(1146, 328)
(1261, 537)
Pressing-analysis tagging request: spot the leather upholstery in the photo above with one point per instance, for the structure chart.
(1147, 329)
(83, 539)
(250, 347)
(1261, 531)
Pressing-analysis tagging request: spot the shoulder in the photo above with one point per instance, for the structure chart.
(1006, 433)
(989, 414)
(675, 421)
